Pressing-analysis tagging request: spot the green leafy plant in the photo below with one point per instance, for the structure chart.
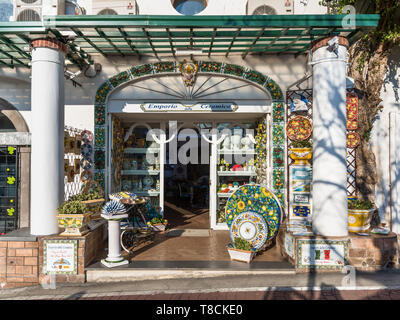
(96, 194)
(158, 220)
(72, 207)
(242, 244)
(302, 144)
(360, 205)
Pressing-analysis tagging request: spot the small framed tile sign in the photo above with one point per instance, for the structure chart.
(322, 254)
(289, 245)
(60, 256)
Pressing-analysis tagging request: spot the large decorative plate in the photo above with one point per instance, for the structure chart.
(258, 199)
(353, 140)
(299, 128)
(250, 226)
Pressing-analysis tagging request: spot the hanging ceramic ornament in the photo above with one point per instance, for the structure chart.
(353, 140)
(86, 151)
(85, 164)
(87, 136)
(86, 175)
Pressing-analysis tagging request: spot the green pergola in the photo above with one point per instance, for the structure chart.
(161, 36)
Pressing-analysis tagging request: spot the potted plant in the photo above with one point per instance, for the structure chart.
(74, 217)
(241, 250)
(158, 223)
(360, 215)
(301, 152)
(93, 202)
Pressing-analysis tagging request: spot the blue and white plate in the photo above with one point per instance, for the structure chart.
(86, 150)
(250, 226)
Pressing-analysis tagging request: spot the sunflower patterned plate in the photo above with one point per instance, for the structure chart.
(299, 128)
(258, 199)
(250, 226)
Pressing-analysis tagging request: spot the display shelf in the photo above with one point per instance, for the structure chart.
(236, 173)
(141, 172)
(150, 193)
(141, 150)
(224, 194)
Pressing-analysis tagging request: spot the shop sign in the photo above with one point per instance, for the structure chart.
(301, 211)
(180, 107)
(60, 256)
(322, 254)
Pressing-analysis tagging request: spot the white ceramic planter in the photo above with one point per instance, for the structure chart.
(158, 227)
(241, 255)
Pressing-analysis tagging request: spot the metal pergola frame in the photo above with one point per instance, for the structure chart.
(160, 36)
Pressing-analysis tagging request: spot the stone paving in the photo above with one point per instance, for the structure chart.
(262, 295)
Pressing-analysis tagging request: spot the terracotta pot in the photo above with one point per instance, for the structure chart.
(241, 255)
(359, 220)
(301, 155)
(74, 224)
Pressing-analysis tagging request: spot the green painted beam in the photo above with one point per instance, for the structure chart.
(156, 21)
(79, 33)
(233, 40)
(102, 34)
(11, 44)
(253, 43)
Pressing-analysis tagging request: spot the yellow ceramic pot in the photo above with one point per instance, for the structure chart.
(359, 220)
(74, 224)
(301, 155)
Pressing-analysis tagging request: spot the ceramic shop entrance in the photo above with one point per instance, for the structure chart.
(188, 156)
(186, 148)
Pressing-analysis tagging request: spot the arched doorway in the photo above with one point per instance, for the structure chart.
(14, 169)
(222, 95)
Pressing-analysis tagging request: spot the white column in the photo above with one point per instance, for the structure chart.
(47, 108)
(114, 257)
(329, 139)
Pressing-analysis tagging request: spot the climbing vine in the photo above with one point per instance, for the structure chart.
(369, 64)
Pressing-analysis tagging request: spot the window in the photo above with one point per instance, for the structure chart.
(262, 10)
(5, 124)
(28, 15)
(6, 10)
(107, 12)
(189, 7)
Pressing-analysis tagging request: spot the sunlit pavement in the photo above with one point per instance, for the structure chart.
(384, 285)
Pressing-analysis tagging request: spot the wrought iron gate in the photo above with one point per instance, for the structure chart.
(9, 188)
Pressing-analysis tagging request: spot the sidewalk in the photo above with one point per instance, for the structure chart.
(382, 285)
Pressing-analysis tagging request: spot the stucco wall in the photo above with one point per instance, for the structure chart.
(79, 101)
(390, 95)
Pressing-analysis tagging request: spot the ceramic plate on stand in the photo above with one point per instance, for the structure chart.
(251, 227)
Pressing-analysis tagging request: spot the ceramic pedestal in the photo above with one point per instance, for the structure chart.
(114, 258)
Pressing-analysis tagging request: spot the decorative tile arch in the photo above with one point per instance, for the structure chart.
(220, 68)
